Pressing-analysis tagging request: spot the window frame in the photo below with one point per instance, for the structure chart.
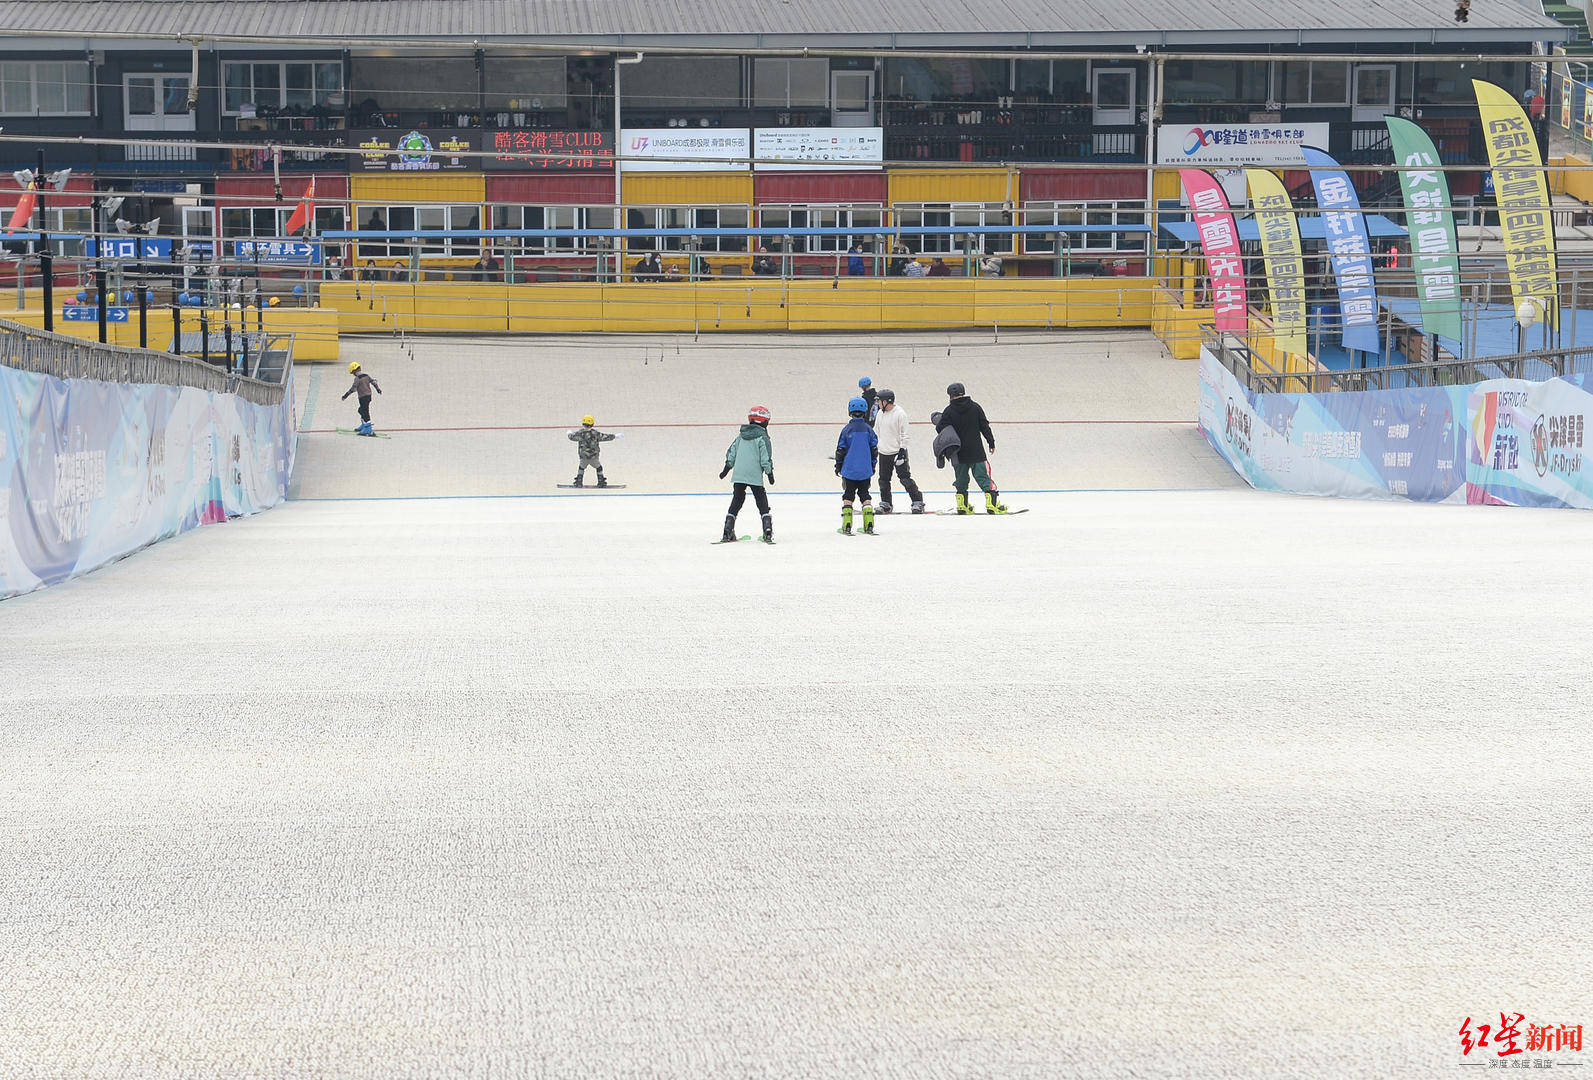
(1037, 212)
(66, 96)
(446, 248)
(955, 215)
(314, 65)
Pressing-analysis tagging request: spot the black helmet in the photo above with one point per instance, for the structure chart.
(955, 390)
(887, 395)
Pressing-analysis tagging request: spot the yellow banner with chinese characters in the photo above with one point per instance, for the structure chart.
(1280, 251)
(1522, 193)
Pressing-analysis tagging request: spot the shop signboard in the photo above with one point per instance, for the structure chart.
(685, 149)
(799, 149)
(1204, 145)
(396, 150)
(547, 150)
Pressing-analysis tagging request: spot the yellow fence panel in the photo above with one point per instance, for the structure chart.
(562, 309)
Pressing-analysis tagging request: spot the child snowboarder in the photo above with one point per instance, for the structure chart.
(865, 390)
(363, 384)
(588, 441)
(750, 456)
(854, 464)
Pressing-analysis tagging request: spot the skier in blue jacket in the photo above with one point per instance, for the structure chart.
(854, 464)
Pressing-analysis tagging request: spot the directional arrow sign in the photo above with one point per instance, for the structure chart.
(90, 313)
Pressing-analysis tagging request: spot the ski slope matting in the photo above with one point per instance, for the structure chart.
(1169, 780)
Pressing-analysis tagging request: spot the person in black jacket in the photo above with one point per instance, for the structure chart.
(964, 415)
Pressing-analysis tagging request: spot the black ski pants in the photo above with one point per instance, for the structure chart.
(887, 465)
(759, 496)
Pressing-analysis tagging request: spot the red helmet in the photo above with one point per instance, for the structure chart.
(757, 415)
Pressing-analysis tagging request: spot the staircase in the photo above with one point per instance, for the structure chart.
(1575, 17)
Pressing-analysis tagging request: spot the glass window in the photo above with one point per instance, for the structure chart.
(525, 82)
(49, 88)
(235, 86)
(141, 96)
(416, 82)
(1320, 82)
(928, 79)
(329, 84)
(299, 80)
(174, 95)
(781, 84)
(683, 82)
(267, 80)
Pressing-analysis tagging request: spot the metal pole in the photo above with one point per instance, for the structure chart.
(204, 335)
(176, 329)
(243, 363)
(226, 330)
(99, 286)
(143, 315)
(46, 260)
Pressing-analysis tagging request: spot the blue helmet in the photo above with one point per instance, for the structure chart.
(864, 383)
(857, 406)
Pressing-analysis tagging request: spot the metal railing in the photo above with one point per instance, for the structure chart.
(27, 349)
(1257, 374)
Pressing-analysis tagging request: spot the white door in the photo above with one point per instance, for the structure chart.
(1373, 92)
(852, 98)
(1112, 96)
(157, 103)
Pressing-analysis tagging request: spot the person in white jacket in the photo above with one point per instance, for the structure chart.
(891, 427)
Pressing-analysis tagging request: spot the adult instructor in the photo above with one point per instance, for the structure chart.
(963, 414)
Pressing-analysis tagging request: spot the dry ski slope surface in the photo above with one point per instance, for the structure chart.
(1161, 783)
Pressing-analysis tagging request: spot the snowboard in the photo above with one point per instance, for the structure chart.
(736, 540)
(372, 435)
(979, 513)
(593, 487)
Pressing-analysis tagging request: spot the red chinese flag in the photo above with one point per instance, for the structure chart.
(24, 210)
(301, 216)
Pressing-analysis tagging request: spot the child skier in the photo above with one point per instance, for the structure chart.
(865, 390)
(588, 441)
(363, 384)
(750, 456)
(854, 464)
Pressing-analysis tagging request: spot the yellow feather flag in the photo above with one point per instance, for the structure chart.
(1280, 249)
(1522, 194)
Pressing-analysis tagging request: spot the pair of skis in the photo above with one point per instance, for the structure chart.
(738, 539)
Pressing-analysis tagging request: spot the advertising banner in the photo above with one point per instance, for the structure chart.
(92, 471)
(1201, 145)
(1435, 254)
(1500, 442)
(1522, 196)
(398, 151)
(1219, 240)
(1285, 265)
(685, 149)
(826, 149)
(1344, 228)
(548, 150)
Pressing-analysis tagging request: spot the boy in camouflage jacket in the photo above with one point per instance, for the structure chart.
(588, 441)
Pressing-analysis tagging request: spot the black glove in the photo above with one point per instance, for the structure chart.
(724, 472)
(837, 468)
(901, 456)
(771, 479)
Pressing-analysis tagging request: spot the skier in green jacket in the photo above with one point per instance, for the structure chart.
(750, 457)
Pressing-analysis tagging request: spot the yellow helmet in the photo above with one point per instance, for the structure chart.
(274, 301)
(588, 420)
(352, 368)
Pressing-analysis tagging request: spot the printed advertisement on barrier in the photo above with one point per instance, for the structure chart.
(685, 149)
(799, 148)
(1404, 444)
(1529, 442)
(1205, 145)
(91, 471)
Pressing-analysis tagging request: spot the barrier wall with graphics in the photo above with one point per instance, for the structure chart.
(1502, 442)
(92, 471)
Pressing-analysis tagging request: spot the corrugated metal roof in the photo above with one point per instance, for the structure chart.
(819, 22)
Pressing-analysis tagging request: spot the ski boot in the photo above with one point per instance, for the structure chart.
(884, 508)
(768, 529)
(846, 521)
(365, 429)
(580, 481)
(918, 508)
(962, 504)
(868, 519)
(730, 529)
(993, 502)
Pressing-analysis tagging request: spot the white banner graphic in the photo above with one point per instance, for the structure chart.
(819, 148)
(685, 149)
(1196, 145)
